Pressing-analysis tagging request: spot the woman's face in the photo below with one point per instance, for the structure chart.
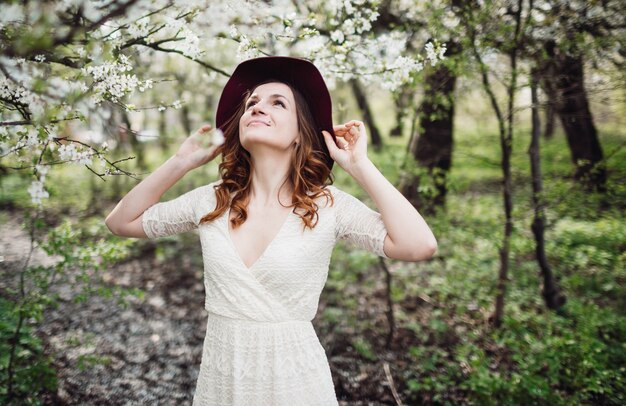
(269, 118)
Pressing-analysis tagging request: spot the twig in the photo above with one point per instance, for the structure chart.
(30, 122)
(394, 392)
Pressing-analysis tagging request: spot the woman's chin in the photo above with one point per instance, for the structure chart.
(259, 144)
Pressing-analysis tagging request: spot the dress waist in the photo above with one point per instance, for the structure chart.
(254, 333)
(251, 322)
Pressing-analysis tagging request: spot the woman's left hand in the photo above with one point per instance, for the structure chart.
(352, 144)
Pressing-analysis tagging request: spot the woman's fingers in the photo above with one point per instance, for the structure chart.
(349, 127)
(205, 128)
(356, 123)
(340, 130)
(330, 143)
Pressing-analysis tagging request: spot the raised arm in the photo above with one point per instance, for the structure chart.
(126, 218)
(408, 236)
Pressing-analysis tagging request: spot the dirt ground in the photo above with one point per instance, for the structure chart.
(150, 351)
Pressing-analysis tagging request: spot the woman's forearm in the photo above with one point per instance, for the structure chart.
(123, 219)
(410, 238)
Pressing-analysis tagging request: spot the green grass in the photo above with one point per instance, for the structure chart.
(538, 356)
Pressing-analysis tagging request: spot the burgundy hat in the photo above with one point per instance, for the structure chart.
(297, 72)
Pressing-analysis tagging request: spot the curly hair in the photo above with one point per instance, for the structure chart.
(309, 175)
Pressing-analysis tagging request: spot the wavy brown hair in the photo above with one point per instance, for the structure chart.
(309, 175)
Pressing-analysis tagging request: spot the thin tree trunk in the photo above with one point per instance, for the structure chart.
(368, 118)
(390, 315)
(401, 101)
(546, 74)
(548, 131)
(433, 148)
(572, 106)
(550, 291)
(163, 144)
(137, 146)
(185, 119)
(506, 139)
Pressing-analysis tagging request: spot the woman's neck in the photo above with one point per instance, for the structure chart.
(268, 175)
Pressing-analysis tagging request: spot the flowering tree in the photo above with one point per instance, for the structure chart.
(64, 62)
(70, 60)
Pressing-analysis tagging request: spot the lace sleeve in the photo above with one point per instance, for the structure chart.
(177, 215)
(358, 224)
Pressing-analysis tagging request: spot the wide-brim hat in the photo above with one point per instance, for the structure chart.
(297, 72)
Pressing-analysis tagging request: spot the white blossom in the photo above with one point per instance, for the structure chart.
(115, 63)
(37, 192)
(218, 137)
(69, 152)
(42, 170)
(337, 36)
(434, 54)
(233, 32)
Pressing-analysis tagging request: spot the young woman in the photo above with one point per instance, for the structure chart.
(268, 227)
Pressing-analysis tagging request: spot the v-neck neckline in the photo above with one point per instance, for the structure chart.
(267, 247)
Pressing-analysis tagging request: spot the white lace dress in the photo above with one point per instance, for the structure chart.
(260, 346)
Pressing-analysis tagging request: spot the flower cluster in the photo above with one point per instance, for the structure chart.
(113, 80)
(218, 137)
(433, 54)
(69, 153)
(36, 189)
(121, 55)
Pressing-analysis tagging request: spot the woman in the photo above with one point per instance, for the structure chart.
(268, 228)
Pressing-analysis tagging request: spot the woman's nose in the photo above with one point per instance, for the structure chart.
(258, 108)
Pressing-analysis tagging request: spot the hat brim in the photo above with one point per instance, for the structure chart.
(299, 73)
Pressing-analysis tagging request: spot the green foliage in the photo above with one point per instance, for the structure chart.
(576, 356)
(33, 372)
(364, 349)
(80, 250)
(549, 359)
(592, 254)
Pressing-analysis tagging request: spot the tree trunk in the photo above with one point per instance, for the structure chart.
(549, 88)
(364, 106)
(163, 144)
(572, 106)
(390, 315)
(550, 291)
(506, 146)
(185, 119)
(548, 131)
(137, 146)
(432, 150)
(401, 100)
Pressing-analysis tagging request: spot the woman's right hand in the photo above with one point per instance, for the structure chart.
(197, 149)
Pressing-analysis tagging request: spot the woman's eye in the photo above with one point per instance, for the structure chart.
(252, 103)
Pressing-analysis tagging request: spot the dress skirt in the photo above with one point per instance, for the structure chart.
(247, 362)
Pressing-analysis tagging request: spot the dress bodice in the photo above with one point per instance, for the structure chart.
(286, 281)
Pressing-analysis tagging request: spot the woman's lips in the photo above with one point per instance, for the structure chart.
(257, 123)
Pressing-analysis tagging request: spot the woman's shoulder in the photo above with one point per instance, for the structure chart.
(336, 194)
(336, 191)
(202, 193)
